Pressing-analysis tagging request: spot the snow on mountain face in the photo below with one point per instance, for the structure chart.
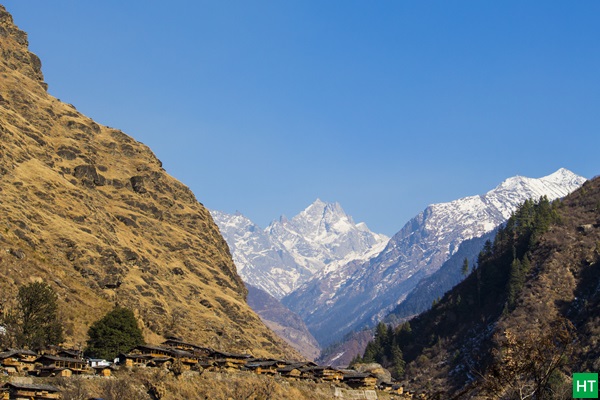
(335, 302)
(321, 234)
(287, 253)
(259, 261)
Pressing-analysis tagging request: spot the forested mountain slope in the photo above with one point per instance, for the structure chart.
(525, 319)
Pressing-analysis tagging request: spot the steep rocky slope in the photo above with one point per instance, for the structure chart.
(91, 211)
(361, 293)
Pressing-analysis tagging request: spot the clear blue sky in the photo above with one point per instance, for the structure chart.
(385, 107)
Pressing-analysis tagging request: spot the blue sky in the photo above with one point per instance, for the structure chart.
(385, 107)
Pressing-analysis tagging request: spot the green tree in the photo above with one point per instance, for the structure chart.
(37, 321)
(398, 363)
(115, 333)
(465, 267)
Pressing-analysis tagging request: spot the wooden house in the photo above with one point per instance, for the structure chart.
(102, 370)
(229, 361)
(134, 359)
(52, 371)
(187, 358)
(278, 363)
(294, 370)
(70, 354)
(322, 373)
(291, 371)
(155, 351)
(391, 387)
(359, 380)
(77, 366)
(23, 391)
(16, 361)
(178, 343)
(269, 367)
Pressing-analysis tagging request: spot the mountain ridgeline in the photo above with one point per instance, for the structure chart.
(524, 319)
(91, 211)
(336, 301)
(288, 252)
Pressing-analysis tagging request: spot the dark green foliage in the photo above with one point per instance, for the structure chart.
(385, 349)
(115, 333)
(36, 321)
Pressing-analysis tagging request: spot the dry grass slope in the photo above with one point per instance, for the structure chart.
(90, 210)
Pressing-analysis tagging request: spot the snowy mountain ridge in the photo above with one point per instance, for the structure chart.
(358, 294)
(288, 252)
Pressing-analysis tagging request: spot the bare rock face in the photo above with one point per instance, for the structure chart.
(15, 53)
(91, 208)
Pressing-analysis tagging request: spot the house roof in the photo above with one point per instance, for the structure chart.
(291, 367)
(65, 359)
(46, 388)
(129, 355)
(178, 341)
(257, 364)
(16, 352)
(216, 353)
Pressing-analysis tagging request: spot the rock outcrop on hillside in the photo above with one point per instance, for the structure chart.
(92, 212)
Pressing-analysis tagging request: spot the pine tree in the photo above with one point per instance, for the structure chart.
(398, 362)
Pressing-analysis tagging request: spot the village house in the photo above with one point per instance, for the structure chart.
(265, 366)
(359, 380)
(229, 361)
(15, 361)
(163, 355)
(56, 366)
(24, 391)
(155, 351)
(179, 344)
(294, 370)
(100, 366)
(322, 373)
(134, 359)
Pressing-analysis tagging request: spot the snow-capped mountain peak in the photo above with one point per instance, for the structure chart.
(289, 251)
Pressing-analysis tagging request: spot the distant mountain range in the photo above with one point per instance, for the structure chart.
(339, 276)
(359, 294)
(288, 252)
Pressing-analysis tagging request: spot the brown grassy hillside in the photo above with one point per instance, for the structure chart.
(91, 211)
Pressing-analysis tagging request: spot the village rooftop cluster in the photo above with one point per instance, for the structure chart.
(175, 355)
